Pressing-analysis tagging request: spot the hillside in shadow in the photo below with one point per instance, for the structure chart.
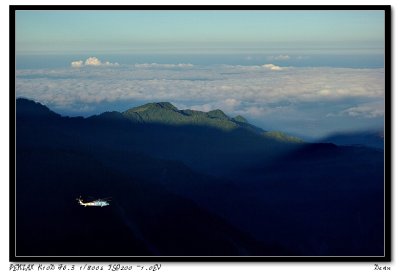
(209, 185)
(369, 138)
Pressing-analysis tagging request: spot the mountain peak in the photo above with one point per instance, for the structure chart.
(219, 114)
(164, 105)
(158, 113)
(153, 106)
(240, 119)
(166, 113)
(31, 108)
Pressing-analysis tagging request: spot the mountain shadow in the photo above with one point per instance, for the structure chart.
(370, 138)
(185, 183)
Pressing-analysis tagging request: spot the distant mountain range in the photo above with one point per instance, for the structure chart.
(370, 138)
(164, 113)
(189, 183)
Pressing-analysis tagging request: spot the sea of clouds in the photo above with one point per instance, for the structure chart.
(258, 91)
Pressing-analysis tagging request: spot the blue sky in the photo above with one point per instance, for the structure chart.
(307, 73)
(198, 31)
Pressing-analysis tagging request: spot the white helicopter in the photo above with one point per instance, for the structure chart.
(101, 202)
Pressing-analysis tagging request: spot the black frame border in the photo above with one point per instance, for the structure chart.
(387, 132)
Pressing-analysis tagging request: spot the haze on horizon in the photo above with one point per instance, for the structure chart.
(309, 73)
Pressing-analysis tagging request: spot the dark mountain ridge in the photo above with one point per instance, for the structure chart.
(368, 138)
(167, 114)
(190, 189)
(160, 129)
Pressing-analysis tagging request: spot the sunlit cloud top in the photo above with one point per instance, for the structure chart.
(268, 95)
(91, 61)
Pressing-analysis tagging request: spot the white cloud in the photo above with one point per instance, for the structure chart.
(107, 63)
(204, 107)
(365, 111)
(254, 111)
(159, 65)
(272, 67)
(232, 102)
(229, 105)
(225, 86)
(279, 57)
(92, 61)
(77, 64)
(283, 98)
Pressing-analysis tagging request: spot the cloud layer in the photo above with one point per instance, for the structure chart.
(279, 57)
(367, 110)
(272, 67)
(92, 61)
(159, 65)
(264, 93)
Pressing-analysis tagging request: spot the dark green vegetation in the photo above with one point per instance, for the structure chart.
(166, 114)
(278, 135)
(189, 183)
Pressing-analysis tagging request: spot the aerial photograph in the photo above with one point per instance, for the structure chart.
(199, 133)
